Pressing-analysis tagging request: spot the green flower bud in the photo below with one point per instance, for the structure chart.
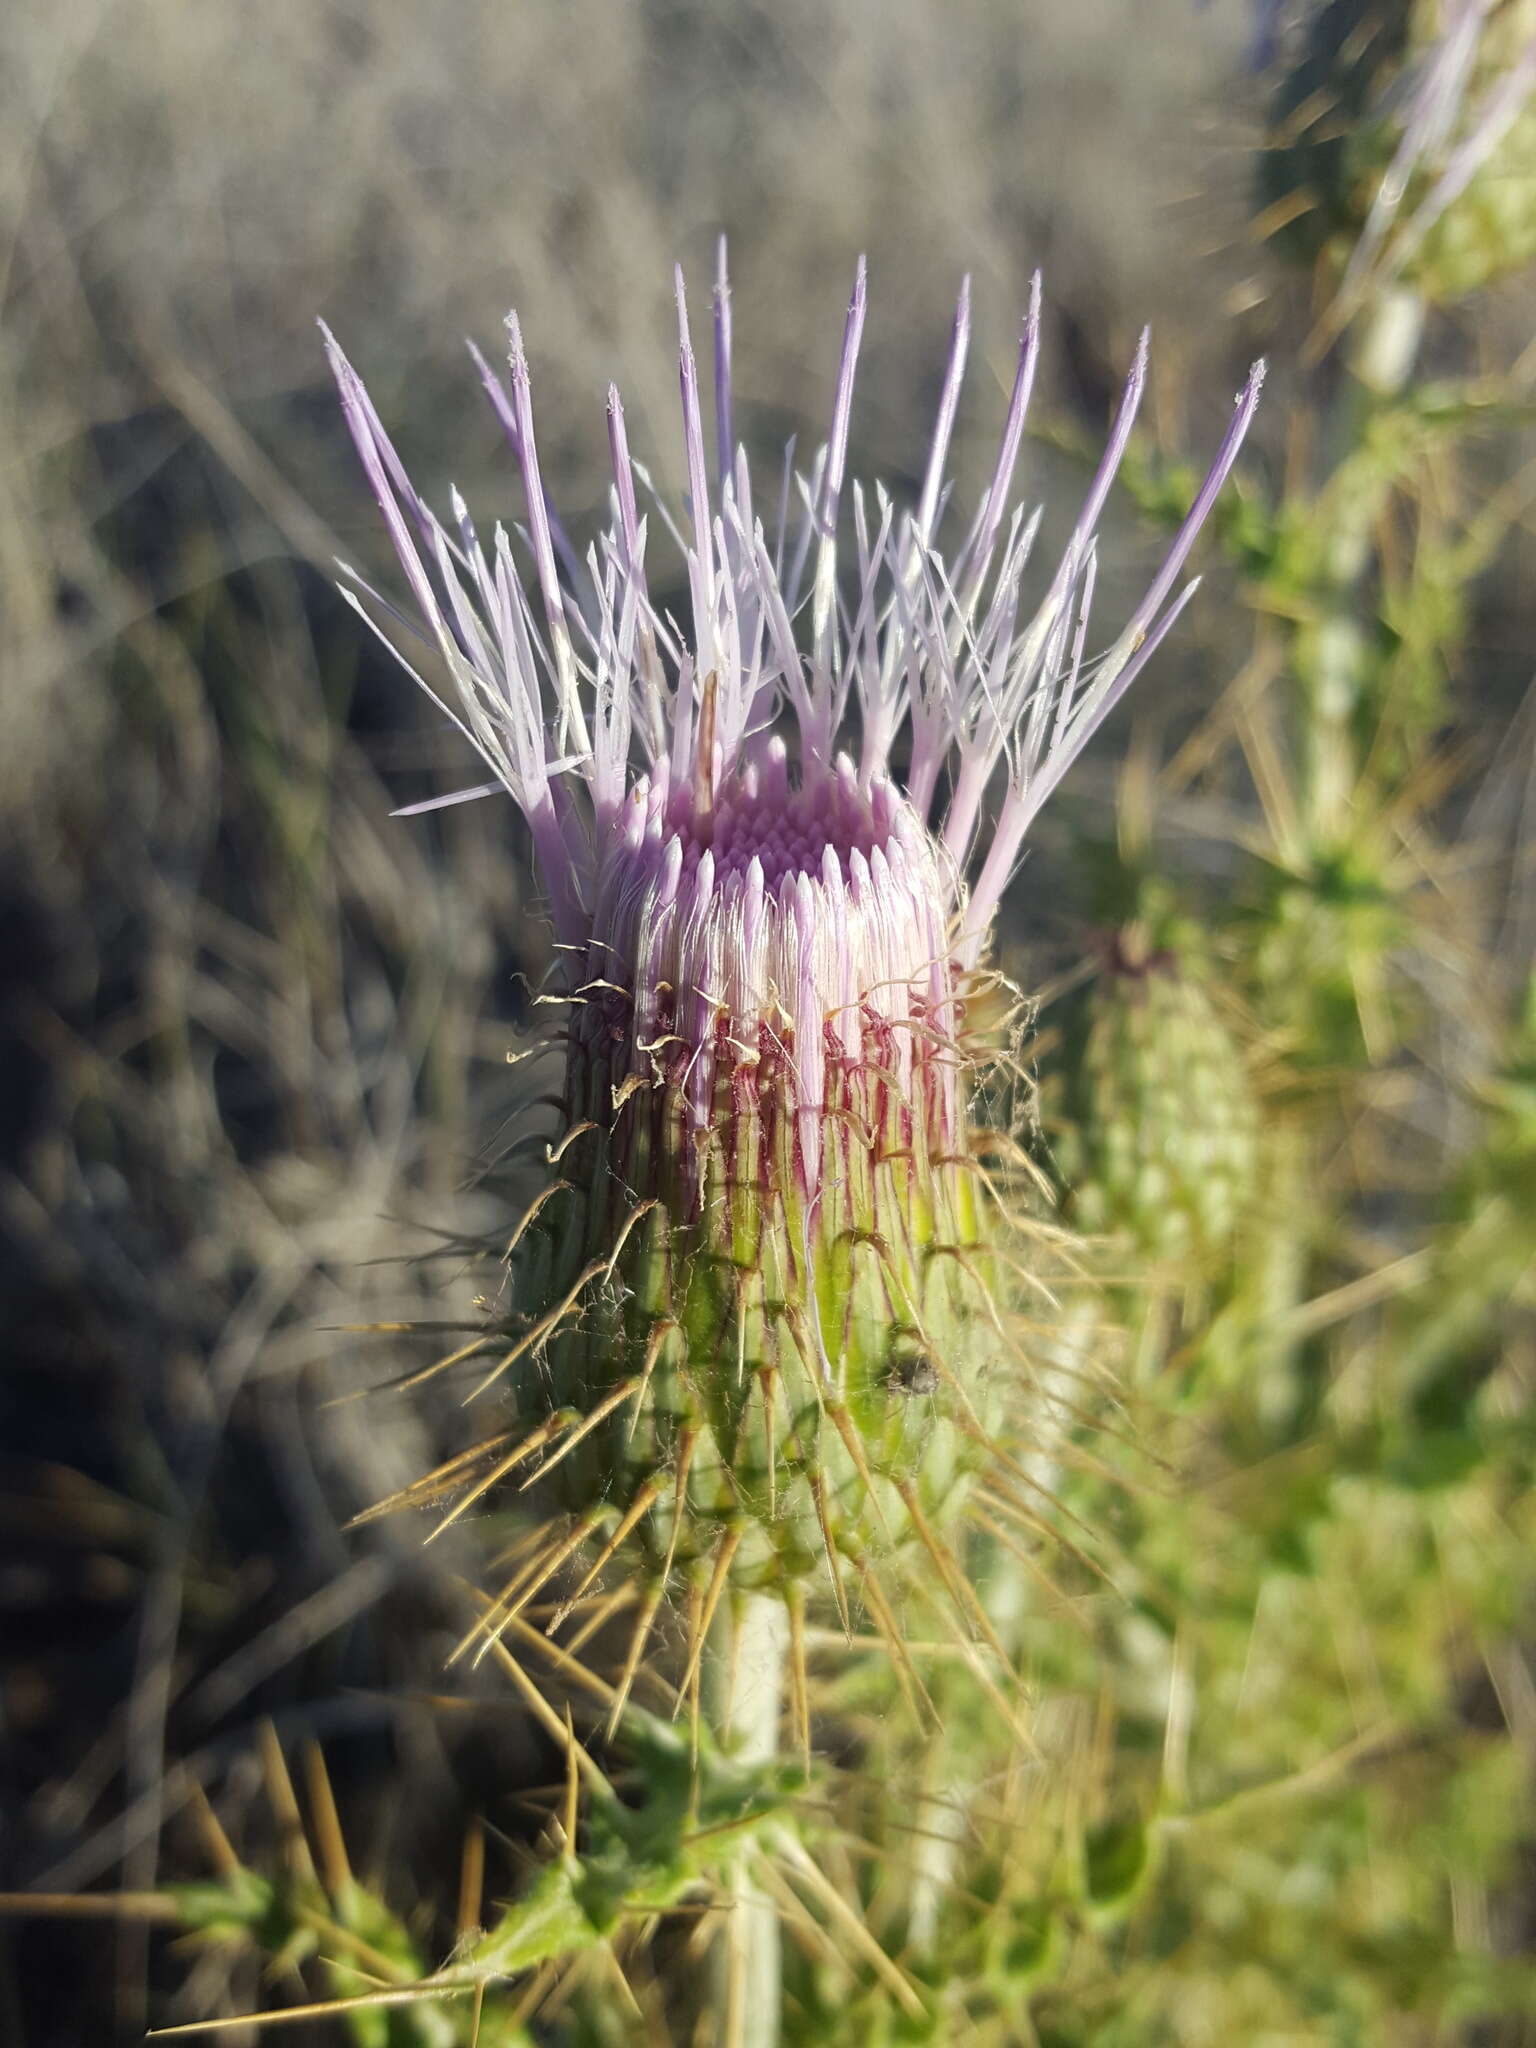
(1160, 1125)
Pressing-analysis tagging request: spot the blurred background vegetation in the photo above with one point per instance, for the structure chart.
(255, 1031)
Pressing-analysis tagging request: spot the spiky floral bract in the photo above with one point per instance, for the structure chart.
(754, 1322)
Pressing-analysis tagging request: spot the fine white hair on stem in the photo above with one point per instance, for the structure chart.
(576, 693)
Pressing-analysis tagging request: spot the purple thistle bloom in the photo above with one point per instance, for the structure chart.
(729, 830)
(776, 935)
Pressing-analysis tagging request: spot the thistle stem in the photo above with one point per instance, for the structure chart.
(1278, 1271)
(744, 1668)
(1384, 348)
(937, 1838)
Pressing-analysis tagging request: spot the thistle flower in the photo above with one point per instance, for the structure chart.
(752, 1312)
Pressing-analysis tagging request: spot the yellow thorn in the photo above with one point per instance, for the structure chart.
(534, 1441)
(768, 1380)
(640, 1507)
(604, 1611)
(630, 1085)
(564, 1661)
(540, 1330)
(918, 1696)
(960, 1590)
(422, 1491)
(637, 1643)
(550, 1565)
(471, 1877)
(572, 1786)
(545, 1980)
(486, 1341)
(640, 1209)
(599, 1414)
(512, 1587)
(694, 1697)
(90, 1906)
(220, 1849)
(799, 1679)
(326, 2007)
(819, 1498)
(546, 1716)
(850, 1436)
(621, 1982)
(284, 1803)
(660, 1331)
(687, 1442)
(797, 1918)
(969, 1650)
(1005, 1504)
(839, 1910)
(1016, 1471)
(544, 1195)
(326, 1821)
(1062, 1601)
(730, 1543)
(554, 1153)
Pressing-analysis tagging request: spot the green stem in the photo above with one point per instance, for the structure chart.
(1384, 346)
(1278, 1271)
(743, 1701)
(937, 1838)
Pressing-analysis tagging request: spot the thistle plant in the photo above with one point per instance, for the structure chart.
(988, 1536)
(758, 1331)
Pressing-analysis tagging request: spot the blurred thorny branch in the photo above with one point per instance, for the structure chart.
(1248, 1752)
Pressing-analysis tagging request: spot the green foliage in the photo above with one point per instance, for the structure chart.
(1336, 125)
(696, 1813)
(360, 1941)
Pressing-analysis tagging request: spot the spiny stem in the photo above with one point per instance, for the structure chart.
(1383, 348)
(1279, 1264)
(743, 1677)
(936, 1842)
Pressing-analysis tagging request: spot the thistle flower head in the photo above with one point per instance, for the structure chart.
(773, 837)
(567, 688)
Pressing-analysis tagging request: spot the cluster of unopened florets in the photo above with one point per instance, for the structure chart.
(767, 1229)
(1161, 1136)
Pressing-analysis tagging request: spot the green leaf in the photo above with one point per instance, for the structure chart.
(1115, 1859)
